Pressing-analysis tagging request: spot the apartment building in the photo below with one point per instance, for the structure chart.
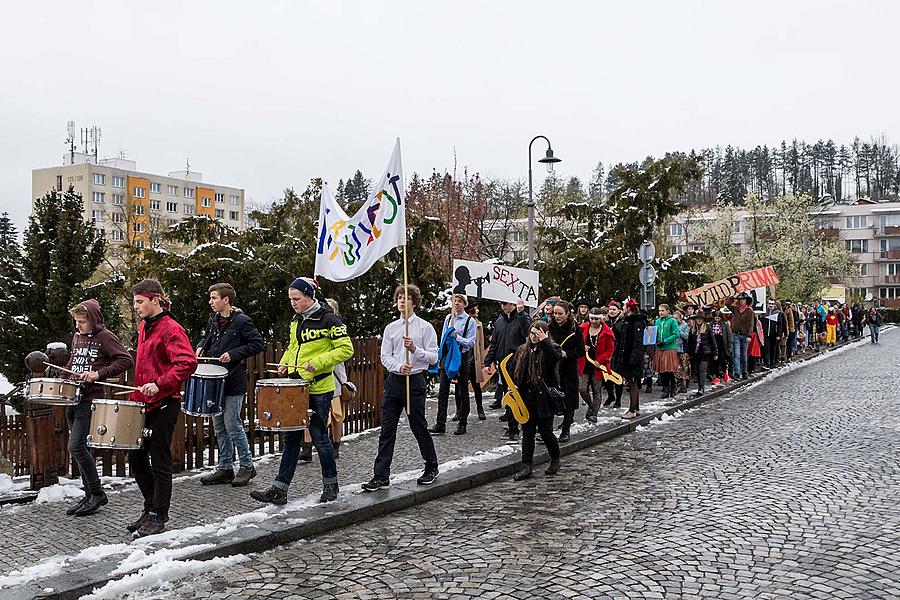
(870, 231)
(135, 207)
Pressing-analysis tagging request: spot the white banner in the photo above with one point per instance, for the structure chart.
(348, 247)
(490, 281)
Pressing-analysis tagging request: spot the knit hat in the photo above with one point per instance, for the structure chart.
(306, 286)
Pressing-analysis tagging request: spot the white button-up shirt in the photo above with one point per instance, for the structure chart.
(393, 354)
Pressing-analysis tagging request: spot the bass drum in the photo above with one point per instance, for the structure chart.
(116, 424)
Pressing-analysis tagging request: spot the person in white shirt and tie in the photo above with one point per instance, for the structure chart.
(423, 350)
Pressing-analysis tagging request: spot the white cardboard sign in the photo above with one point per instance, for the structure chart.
(491, 281)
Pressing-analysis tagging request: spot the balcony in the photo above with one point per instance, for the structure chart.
(890, 279)
(888, 255)
(830, 232)
(888, 230)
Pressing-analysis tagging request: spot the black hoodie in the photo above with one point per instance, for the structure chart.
(100, 351)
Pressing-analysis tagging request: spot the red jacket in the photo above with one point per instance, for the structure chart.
(164, 357)
(606, 342)
(831, 319)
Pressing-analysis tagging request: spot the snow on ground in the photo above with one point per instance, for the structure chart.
(5, 385)
(65, 489)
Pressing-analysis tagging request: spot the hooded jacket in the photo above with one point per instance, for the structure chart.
(164, 357)
(99, 350)
(320, 339)
(240, 339)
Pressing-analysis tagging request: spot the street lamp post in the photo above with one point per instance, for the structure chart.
(548, 160)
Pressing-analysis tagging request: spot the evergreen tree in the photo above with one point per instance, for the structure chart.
(18, 335)
(595, 186)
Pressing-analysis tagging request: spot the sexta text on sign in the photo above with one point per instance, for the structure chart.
(490, 281)
(717, 291)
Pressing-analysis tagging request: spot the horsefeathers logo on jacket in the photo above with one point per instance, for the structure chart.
(336, 331)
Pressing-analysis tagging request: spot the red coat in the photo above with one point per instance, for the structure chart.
(164, 357)
(606, 342)
(753, 348)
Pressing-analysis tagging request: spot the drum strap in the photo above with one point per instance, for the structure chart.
(320, 377)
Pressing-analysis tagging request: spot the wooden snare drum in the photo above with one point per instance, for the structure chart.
(116, 424)
(282, 404)
(52, 390)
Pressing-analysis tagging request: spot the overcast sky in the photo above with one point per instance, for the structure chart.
(265, 95)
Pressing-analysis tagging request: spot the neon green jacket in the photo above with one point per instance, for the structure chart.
(322, 340)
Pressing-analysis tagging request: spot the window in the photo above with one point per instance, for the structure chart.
(863, 269)
(858, 222)
(172, 190)
(680, 249)
(99, 197)
(188, 209)
(857, 246)
(233, 215)
(118, 217)
(232, 199)
(154, 222)
(118, 199)
(220, 197)
(98, 179)
(675, 229)
(139, 192)
(139, 228)
(117, 235)
(155, 187)
(138, 209)
(823, 223)
(206, 203)
(737, 227)
(188, 192)
(118, 182)
(97, 216)
(892, 269)
(59, 182)
(891, 292)
(172, 207)
(171, 222)
(139, 244)
(154, 205)
(220, 213)
(696, 247)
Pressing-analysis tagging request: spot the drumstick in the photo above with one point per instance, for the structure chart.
(118, 385)
(63, 369)
(209, 358)
(275, 365)
(273, 372)
(121, 393)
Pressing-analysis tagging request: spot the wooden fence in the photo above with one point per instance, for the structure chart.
(194, 441)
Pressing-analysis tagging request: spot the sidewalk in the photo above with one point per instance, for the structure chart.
(46, 552)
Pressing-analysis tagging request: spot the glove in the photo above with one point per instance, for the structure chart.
(660, 344)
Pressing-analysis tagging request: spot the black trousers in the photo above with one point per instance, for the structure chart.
(501, 390)
(393, 403)
(474, 378)
(770, 352)
(152, 464)
(79, 419)
(462, 397)
(545, 427)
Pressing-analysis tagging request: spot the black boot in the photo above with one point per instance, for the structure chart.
(460, 428)
(649, 383)
(273, 495)
(329, 492)
(564, 435)
(524, 473)
(666, 392)
(553, 469)
(494, 405)
(305, 452)
(92, 504)
(481, 415)
(72, 509)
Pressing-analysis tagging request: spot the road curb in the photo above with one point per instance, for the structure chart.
(358, 508)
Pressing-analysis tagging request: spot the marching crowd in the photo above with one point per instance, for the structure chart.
(548, 364)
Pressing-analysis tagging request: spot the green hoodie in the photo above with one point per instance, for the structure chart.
(666, 332)
(320, 339)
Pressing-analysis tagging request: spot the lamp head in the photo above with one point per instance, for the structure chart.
(549, 160)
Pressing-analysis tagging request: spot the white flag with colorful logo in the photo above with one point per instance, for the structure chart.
(348, 246)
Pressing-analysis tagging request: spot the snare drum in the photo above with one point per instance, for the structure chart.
(116, 424)
(52, 390)
(282, 404)
(204, 394)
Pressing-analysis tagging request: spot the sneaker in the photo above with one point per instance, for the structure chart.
(329, 492)
(218, 476)
(152, 525)
(273, 494)
(524, 473)
(629, 415)
(375, 484)
(243, 477)
(438, 430)
(716, 381)
(428, 476)
(92, 504)
(553, 469)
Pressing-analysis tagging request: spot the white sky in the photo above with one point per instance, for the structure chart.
(265, 95)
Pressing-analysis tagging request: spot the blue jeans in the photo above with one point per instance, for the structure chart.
(321, 406)
(739, 344)
(231, 436)
(873, 332)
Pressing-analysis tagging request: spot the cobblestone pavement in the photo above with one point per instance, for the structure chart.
(786, 489)
(23, 526)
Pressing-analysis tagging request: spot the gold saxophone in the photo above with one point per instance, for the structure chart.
(512, 398)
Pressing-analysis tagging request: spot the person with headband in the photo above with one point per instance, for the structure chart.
(319, 342)
(165, 360)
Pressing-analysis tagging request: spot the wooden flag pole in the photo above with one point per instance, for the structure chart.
(406, 318)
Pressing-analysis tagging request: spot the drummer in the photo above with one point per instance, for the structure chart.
(165, 360)
(318, 343)
(231, 337)
(96, 354)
